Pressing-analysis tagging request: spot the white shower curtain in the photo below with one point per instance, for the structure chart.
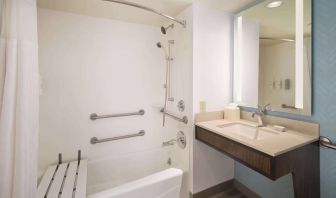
(19, 89)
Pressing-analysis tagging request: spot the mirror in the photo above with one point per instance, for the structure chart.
(272, 56)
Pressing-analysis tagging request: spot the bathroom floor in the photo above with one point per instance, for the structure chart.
(229, 193)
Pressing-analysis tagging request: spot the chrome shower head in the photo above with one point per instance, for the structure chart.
(159, 45)
(164, 29)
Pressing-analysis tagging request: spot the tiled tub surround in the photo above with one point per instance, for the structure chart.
(295, 151)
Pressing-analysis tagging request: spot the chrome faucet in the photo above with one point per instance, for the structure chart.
(260, 114)
(169, 143)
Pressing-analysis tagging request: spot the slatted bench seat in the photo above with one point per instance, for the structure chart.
(64, 180)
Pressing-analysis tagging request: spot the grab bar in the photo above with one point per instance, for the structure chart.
(95, 140)
(327, 143)
(184, 119)
(94, 116)
(284, 106)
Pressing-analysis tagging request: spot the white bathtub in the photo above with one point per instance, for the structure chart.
(164, 184)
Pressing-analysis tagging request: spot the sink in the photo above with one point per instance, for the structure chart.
(247, 131)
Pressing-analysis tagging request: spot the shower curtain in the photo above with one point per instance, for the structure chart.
(19, 96)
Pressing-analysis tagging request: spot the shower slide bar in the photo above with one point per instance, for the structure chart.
(327, 143)
(184, 119)
(95, 116)
(95, 140)
(183, 23)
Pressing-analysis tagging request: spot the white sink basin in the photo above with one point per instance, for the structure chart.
(247, 131)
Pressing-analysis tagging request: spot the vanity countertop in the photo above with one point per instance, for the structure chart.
(273, 146)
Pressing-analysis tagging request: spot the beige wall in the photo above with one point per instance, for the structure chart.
(277, 63)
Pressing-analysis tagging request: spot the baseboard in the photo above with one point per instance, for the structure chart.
(213, 190)
(245, 190)
(224, 186)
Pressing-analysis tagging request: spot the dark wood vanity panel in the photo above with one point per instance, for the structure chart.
(303, 163)
(246, 155)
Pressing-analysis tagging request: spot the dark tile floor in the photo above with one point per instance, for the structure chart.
(229, 193)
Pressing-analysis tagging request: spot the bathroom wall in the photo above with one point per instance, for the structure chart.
(212, 55)
(277, 63)
(324, 108)
(90, 64)
(181, 89)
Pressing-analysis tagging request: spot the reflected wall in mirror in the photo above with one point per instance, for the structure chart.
(272, 56)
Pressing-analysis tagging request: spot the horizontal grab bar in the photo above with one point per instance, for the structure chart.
(94, 116)
(326, 142)
(184, 119)
(284, 106)
(95, 140)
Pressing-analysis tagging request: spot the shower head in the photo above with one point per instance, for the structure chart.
(164, 29)
(159, 45)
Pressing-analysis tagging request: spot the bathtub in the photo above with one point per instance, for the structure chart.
(141, 174)
(164, 184)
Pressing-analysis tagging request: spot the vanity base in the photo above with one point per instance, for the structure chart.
(303, 163)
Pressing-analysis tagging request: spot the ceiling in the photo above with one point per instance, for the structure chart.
(110, 10)
(279, 22)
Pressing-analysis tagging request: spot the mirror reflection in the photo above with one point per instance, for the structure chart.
(273, 56)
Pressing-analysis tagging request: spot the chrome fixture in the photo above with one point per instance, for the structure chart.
(260, 113)
(327, 143)
(95, 140)
(184, 119)
(159, 45)
(259, 117)
(164, 29)
(170, 42)
(169, 143)
(183, 23)
(284, 106)
(171, 99)
(180, 139)
(94, 116)
(181, 106)
(168, 78)
(277, 39)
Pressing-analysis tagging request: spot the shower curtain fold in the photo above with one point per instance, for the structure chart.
(19, 99)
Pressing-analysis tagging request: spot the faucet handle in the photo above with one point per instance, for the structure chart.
(267, 107)
(264, 109)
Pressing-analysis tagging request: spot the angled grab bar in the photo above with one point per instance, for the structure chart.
(95, 140)
(326, 142)
(95, 116)
(184, 119)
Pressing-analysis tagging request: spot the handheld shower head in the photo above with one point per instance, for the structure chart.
(159, 45)
(164, 29)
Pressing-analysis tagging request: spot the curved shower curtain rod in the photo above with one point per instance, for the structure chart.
(183, 23)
